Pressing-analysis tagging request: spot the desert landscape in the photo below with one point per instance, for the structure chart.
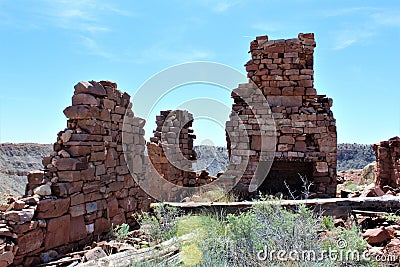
(199, 133)
(103, 195)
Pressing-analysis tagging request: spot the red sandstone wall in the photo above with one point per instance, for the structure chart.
(85, 186)
(388, 163)
(174, 136)
(171, 151)
(305, 127)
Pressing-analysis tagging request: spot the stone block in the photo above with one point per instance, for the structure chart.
(322, 167)
(100, 169)
(300, 146)
(97, 156)
(70, 164)
(58, 232)
(60, 189)
(77, 199)
(112, 207)
(286, 139)
(51, 208)
(84, 99)
(288, 91)
(119, 218)
(78, 229)
(109, 104)
(25, 227)
(81, 112)
(68, 176)
(292, 101)
(88, 174)
(78, 151)
(101, 225)
(128, 204)
(6, 258)
(377, 236)
(77, 210)
(30, 241)
(311, 92)
(20, 216)
(93, 88)
(35, 177)
(91, 207)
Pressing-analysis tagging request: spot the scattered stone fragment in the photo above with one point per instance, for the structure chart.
(95, 254)
(377, 235)
(43, 190)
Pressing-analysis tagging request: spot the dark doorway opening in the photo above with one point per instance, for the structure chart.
(285, 176)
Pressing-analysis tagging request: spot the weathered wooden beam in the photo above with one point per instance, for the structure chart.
(127, 258)
(338, 207)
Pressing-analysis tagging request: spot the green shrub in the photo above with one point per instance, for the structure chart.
(238, 240)
(121, 232)
(161, 225)
(352, 186)
(328, 222)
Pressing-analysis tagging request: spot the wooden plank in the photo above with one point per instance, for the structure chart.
(338, 207)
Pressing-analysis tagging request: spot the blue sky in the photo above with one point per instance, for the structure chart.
(49, 45)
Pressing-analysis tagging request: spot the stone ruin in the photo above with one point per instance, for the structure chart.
(388, 163)
(171, 150)
(86, 185)
(305, 128)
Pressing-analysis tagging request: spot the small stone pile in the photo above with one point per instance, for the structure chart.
(85, 185)
(388, 163)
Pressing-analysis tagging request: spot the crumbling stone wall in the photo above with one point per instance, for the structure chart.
(171, 150)
(305, 126)
(85, 186)
(388, 163)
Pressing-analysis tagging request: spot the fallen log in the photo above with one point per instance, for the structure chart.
(338, 207)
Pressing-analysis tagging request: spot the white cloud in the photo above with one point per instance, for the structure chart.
(80, 15)
(346, 38)
(370, 22)
(388, 18)
(222, 6)
(93, 48)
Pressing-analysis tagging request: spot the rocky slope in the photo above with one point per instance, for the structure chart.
(212, 159)
(354, 156)
(16, 160)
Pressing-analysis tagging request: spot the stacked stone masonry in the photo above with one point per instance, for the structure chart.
(305, 126)
(85, 186)
(171, 149)
(388, 163)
